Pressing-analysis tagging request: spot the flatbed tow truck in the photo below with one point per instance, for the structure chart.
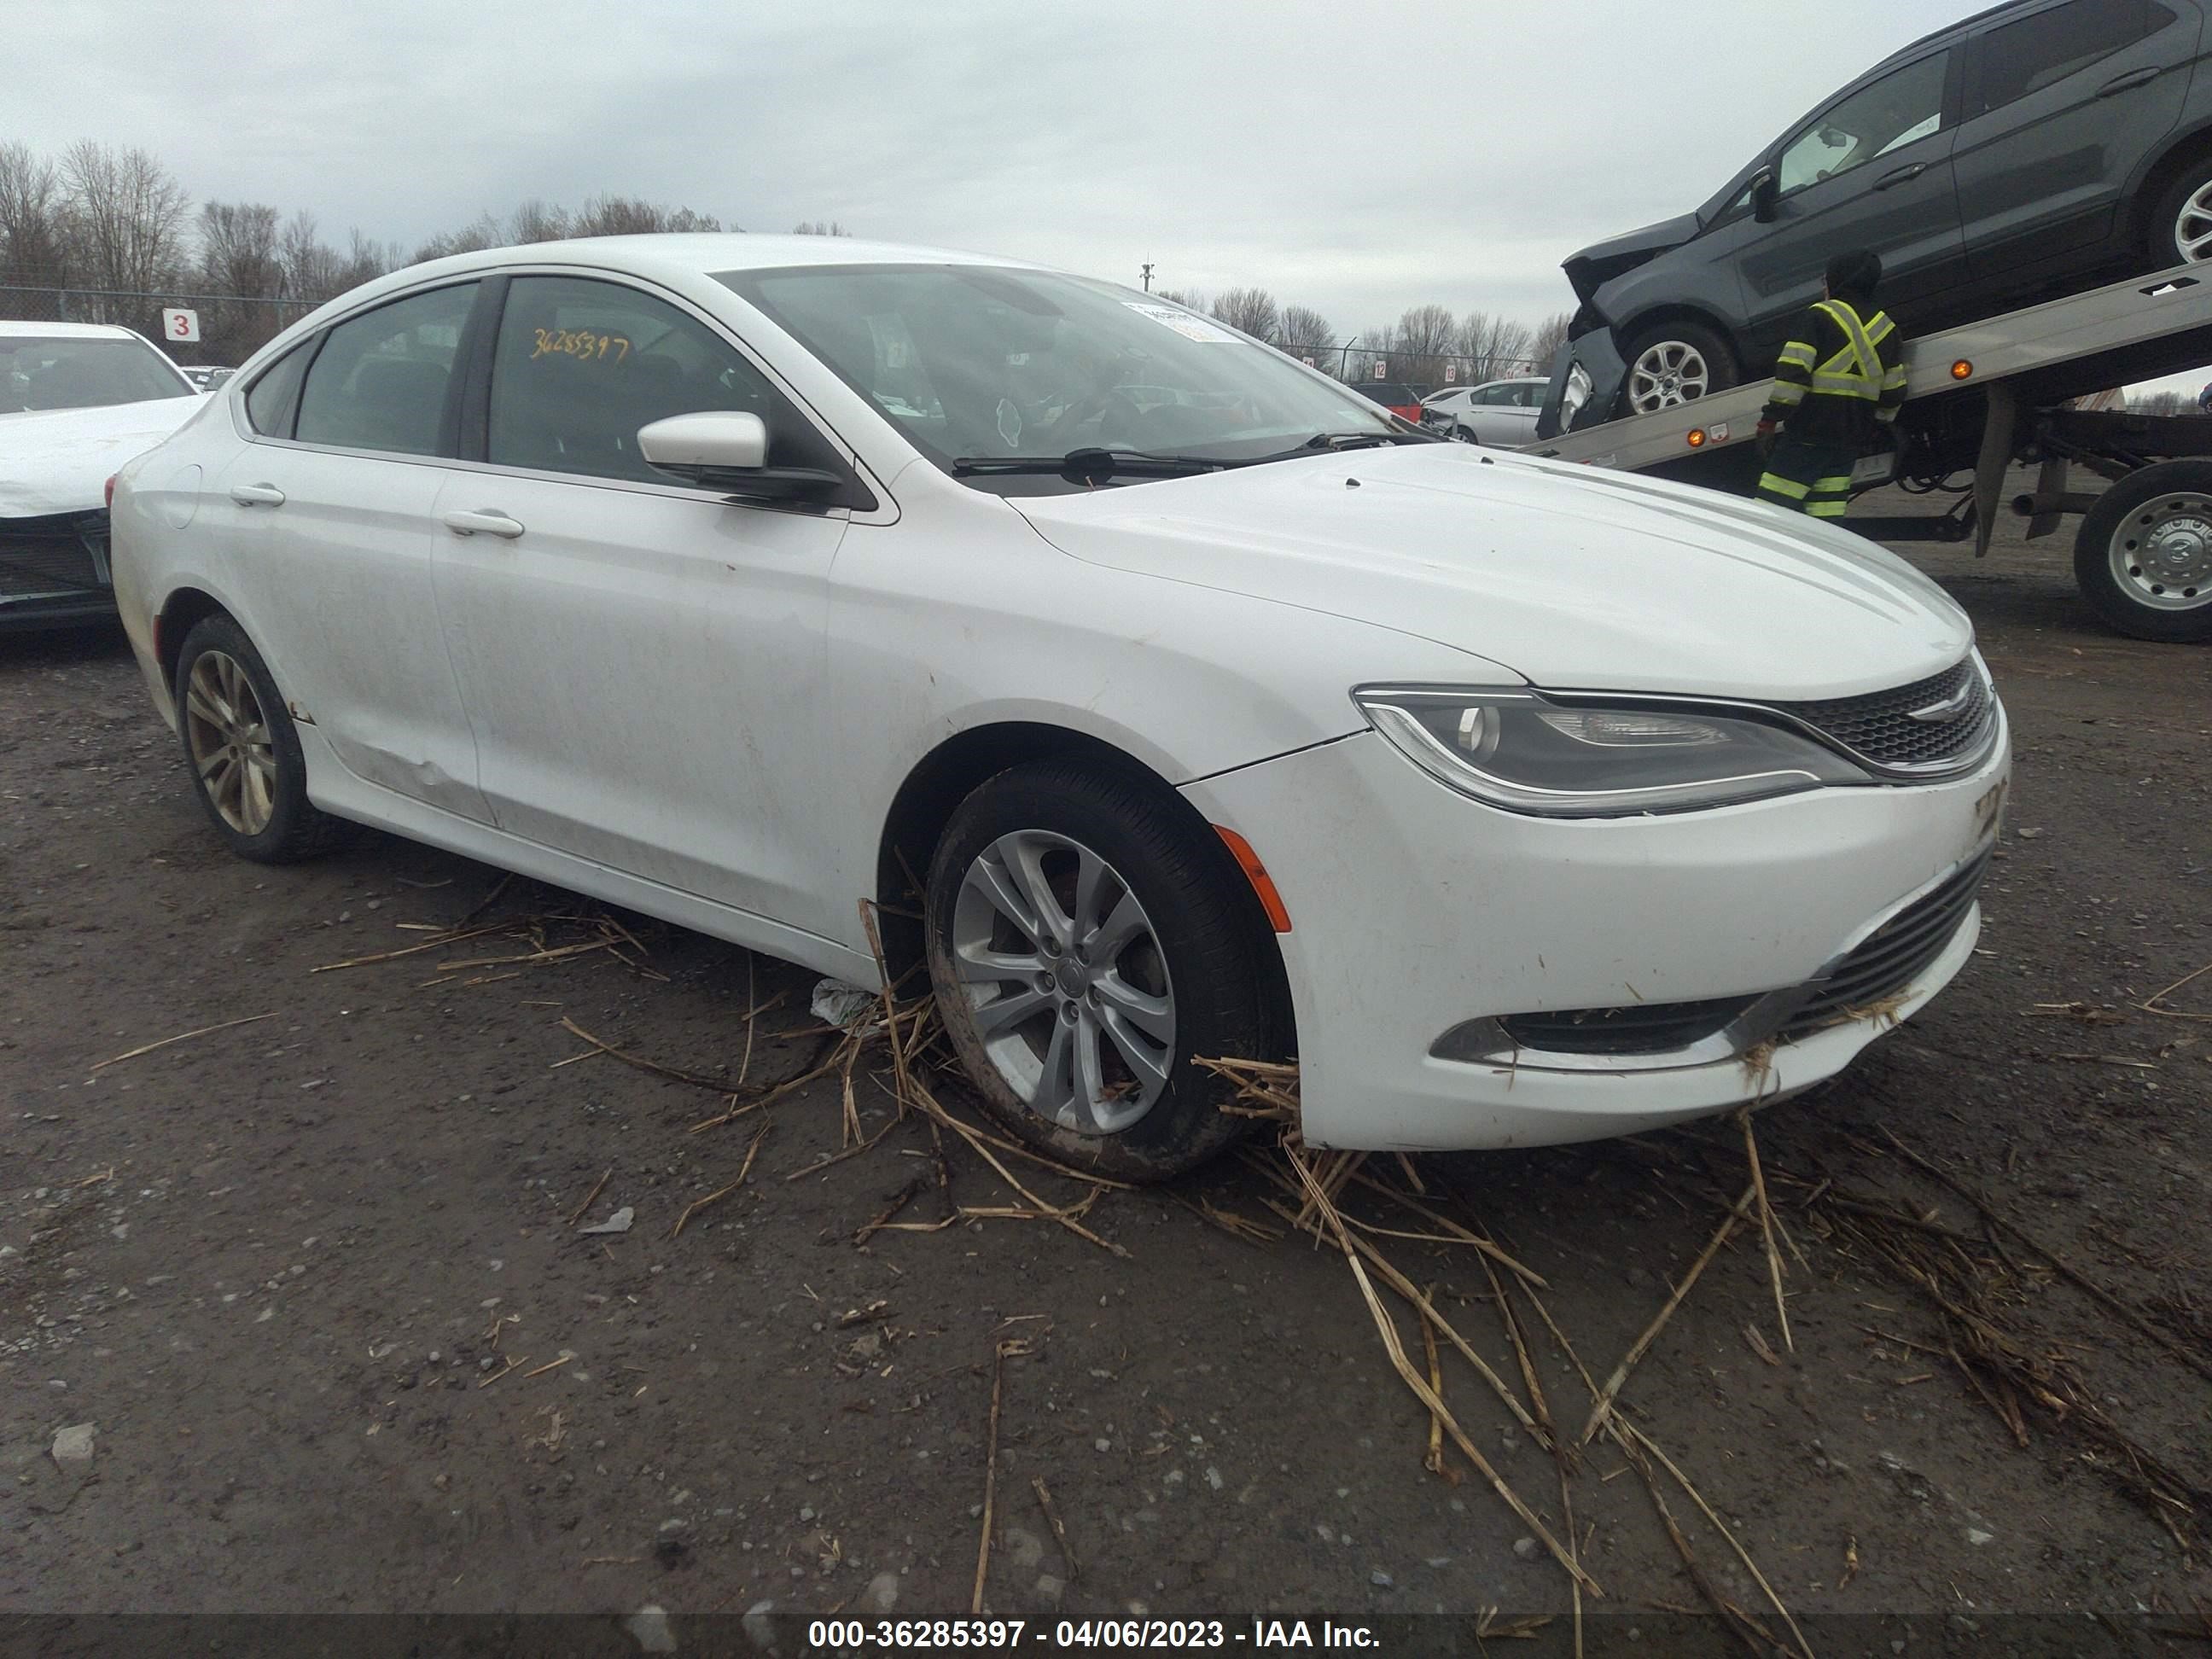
(1981, 398)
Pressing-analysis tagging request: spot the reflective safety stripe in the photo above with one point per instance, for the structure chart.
(1880, 328)
(1786, 393)
(1832, 486)
(1894, 379)
(1782, 486)
(1845, 386)
(1885, 415)
(1796, 352)
(1825, 509)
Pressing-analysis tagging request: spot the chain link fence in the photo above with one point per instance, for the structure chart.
(231, 325)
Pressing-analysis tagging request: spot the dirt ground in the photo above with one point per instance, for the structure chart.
(313, 1283)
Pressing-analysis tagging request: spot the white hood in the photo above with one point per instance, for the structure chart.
(1571, 576)
(60, 460)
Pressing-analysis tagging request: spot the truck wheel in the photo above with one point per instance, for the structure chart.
(2180, 230)
(2143, 558)
(1674, 363)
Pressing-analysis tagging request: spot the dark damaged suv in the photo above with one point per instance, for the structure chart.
(2032, 150)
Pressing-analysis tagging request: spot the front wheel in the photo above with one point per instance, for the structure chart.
(2143, 556)
(1674, 363)
(1087, 942)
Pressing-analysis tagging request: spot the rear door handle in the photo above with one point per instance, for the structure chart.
(2129, 82)
(491, 524)
(1901, 176)
(257, 495)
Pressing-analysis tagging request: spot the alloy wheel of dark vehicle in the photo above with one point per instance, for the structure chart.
(2143, 556)
(1086, 941)
(1674, 363)
(244, 751)
(2181, 224)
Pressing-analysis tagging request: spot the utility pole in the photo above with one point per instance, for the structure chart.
(1148, 279)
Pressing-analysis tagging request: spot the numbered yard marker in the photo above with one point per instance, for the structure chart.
(180, 325)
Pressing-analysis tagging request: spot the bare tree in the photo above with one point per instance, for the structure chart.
(239, 252)
(1550, 334)
(312, 267)
(364, 259)
(1422, 339)
(819, 228)
(1192, 300)
(1499, 346)
(34, 240)
(130, 213)
(633, 215)
(1250, 311)
(534, 221)
(1305, 332)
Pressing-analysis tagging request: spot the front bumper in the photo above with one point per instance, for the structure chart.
(1417, 913)
(54, 570)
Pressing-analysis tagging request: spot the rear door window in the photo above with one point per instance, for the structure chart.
(381, 378)
(2018, 58)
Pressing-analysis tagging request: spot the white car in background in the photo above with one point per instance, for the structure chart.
(747, 580)
(76, 401)
(1500, 412)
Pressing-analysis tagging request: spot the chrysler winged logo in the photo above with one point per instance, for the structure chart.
(1949, 709)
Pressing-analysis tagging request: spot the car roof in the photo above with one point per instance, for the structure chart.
(16, 329)
(710, 253)
(1951, 34)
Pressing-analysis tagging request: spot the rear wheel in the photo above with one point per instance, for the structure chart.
(2181, 223)
(1087, 941)
(244, 751)
(1674, 363)
(2143, 556)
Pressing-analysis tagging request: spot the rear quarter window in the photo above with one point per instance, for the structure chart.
(275, 393)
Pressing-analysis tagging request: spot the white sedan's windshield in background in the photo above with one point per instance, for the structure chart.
(67, 372)
(981, 361)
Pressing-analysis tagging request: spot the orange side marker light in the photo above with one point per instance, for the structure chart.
(1263, 885)
(1962, 369)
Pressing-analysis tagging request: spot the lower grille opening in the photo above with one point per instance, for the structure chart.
(1893, 956)
(1643, 1028)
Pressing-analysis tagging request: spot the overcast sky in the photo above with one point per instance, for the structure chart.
(1358, 158)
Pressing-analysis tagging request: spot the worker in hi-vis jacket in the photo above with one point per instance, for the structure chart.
(1838, 382)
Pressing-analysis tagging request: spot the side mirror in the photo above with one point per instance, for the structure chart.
(710, 441)
(1764, 192)
(726, 449)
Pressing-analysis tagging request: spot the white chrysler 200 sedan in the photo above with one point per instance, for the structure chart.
(1195, 705)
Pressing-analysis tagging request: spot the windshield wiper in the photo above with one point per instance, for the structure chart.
(1334, 442)
(1092, 465)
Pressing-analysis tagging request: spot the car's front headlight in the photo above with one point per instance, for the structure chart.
(1573, 396)
(1557, 758)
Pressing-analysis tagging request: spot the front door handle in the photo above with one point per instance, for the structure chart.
(257, 495)
(1901, 176)
(491, 524)
(2129, 82)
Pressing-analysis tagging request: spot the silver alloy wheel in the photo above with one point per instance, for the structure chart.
(1666, 372)
(2192, 226)
(2161, 554)
(230, 744)
(1066, 984)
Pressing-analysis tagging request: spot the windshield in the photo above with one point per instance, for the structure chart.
(975, 362)
(63, 373)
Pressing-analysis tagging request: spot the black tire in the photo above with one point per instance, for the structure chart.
(2124, 593)
(2162, 233)
(1465, 434)
(294, 829)
(1204, 920)
(1711, 346)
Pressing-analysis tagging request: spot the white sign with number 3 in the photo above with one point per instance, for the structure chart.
(181, 326)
